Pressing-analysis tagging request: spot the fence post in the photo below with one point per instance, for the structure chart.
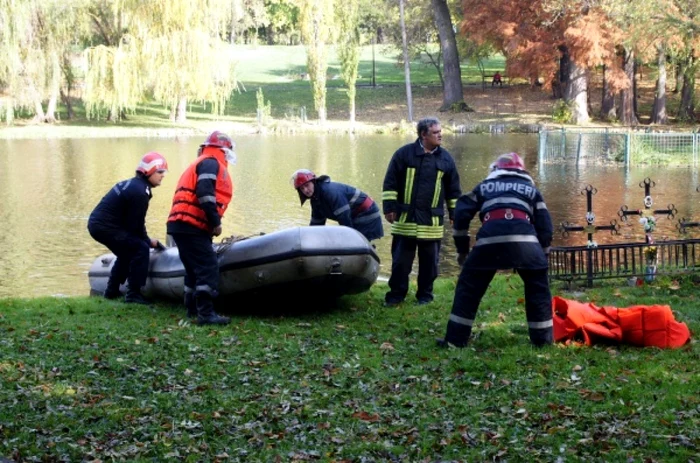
(578, 148)
(542, 147)
(695, 147)
(606, 144)
(628, 140)
(563, 142)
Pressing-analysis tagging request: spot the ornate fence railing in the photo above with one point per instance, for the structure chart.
(582, 263)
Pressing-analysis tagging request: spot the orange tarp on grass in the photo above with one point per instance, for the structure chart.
(639, 325)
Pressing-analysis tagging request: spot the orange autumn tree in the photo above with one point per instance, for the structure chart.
(557, 40)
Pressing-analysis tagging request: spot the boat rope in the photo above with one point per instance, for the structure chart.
(228, 241)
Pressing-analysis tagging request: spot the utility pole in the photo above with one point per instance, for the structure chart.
(406, 63)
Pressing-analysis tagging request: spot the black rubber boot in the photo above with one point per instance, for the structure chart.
(112, 291)
(191, 305)
(135, 297)
(205, 311)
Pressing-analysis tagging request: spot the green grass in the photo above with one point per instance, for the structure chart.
(85, 378)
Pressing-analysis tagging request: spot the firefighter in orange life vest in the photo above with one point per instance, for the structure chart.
(516, 233)
(201, 198)
(119, 222)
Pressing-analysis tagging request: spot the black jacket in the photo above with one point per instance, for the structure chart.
(123, 209)
(347, 205)
(416, 187)
(505, 244)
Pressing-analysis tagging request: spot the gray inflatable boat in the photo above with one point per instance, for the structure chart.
(330, 260)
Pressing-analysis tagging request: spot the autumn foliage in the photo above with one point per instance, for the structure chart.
(529, 35)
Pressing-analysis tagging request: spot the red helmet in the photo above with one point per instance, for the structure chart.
(509, 161)
(301, 177)
(152, 162)
(219, 140)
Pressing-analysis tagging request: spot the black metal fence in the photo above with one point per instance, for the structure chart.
(582, 263)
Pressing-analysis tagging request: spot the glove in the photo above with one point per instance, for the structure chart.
(461, 257)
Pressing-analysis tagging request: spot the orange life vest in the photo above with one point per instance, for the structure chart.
(186, 207)
(640, 325)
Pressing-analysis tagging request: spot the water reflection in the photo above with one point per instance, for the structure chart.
(49, 187)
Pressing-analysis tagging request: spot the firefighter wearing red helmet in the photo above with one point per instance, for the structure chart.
(119, 222)
(201, 198)
(516, 233)
(345, 204)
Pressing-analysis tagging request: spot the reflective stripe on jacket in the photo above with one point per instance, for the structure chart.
(416, 187)
(505, 244)
(188, 204)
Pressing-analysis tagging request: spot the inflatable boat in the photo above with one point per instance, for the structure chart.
(329, 261)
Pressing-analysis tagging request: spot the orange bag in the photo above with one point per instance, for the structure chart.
(638, 325)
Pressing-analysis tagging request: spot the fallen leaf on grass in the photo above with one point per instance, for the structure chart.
(364, 416)
(386, 346)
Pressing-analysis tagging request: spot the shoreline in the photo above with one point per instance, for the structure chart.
(60, 130)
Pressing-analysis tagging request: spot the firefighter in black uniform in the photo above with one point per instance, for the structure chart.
(340, 202)
(420, 179)
(516, 232)
(119, 222)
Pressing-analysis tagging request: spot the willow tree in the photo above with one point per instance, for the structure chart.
(35, 40)
(316, 18)
(348, 45)
(174, 50)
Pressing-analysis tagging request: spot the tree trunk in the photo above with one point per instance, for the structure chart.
(65, 98)
(607, 106)
(625, 112)
(452, 92)
(686, 110)
(679, 76)
(181, 113)
(50, 115)
(564, 63)
(406, 63)
(577, 93)
(39, 115)
(352, 111)
(9, 111)
(635, 93)
(658, 111)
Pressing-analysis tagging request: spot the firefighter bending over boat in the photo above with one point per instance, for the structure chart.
(516, 232)
(345, 204)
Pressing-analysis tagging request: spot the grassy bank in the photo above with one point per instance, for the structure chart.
(89, 379)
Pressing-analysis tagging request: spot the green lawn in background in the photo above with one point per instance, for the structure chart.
(278, 71)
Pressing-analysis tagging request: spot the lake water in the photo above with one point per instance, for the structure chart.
(49, 187)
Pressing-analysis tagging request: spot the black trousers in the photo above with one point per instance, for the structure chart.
(201, 264)
(132, 257)
(403, 252)
(471, 287)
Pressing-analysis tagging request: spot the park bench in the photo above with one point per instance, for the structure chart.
(486, 80)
